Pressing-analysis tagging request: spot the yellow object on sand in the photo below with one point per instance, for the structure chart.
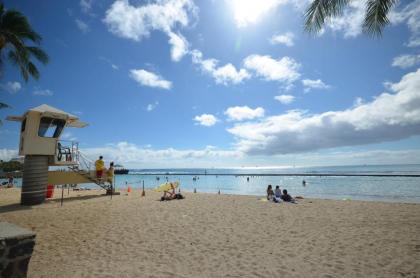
(166, 186)
(263, 200)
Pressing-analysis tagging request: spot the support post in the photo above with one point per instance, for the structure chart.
(62, 194)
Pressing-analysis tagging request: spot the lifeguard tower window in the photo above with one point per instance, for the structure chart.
(49, 127)
(22, 128)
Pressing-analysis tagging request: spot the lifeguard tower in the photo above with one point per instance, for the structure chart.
(41, 128)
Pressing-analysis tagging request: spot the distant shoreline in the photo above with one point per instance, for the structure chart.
(283, 174)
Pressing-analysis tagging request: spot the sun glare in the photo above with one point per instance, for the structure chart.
(250, 11)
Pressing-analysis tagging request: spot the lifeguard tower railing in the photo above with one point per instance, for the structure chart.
(68, 153)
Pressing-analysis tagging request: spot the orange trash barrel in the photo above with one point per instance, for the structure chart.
(50, 190)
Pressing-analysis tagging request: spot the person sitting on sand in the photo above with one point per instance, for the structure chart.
(270, 192)
(286, 197)
(277, 194)
(169, 195)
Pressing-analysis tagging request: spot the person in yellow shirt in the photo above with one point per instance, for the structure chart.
(100, 166)
(110, 173)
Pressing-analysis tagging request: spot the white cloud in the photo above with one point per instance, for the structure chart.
(113, 66)
(86, 5)
(150, 79)
(389, 117)
(206, 119)
(68, 136)
(7, 154)
(286, 39)
(309, 84)
(250, 11)
(152, 106)
(179, 46)
(43, 92)
(283, 70)
(12, 87)
(240, 113)
(131, 155)
(406, 61)
(225, 75)
(229, 74)
(351, 21)
(411, 15)
(285, 99)
(82, 26)
(137, 22)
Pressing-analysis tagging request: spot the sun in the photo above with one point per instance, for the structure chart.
(250, 11)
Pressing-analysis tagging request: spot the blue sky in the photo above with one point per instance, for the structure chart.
(183, 83)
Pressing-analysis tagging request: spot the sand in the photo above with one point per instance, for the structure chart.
(210, 235)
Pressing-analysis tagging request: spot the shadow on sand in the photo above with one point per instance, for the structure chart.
(18, 206)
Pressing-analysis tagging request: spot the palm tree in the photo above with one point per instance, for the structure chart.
(15, 31)
(375, 17)
(3, 105)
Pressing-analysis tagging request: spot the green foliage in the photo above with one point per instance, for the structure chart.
(319, 11)
(15, 32)
(11, 166)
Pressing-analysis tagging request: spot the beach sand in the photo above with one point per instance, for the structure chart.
(210, 235)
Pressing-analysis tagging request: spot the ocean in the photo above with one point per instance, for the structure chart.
(248, 181)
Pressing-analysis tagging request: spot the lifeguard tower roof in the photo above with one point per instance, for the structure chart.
(49, 111)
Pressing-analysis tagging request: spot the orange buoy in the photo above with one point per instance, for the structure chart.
(129, 189)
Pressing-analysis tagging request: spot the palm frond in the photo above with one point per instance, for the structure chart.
(15, 22)
(19, 60)
(32, 70)
(39, 54)
(321, 10)
(376, 16)
(4, 105)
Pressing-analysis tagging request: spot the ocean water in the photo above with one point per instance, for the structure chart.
(390, 189)
(369, 188)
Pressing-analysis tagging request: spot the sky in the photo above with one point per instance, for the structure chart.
(223, 83)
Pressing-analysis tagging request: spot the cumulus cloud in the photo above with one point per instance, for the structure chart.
(240, 113)
(389, 117)
(351, 21)
(206, 119)
(225, 75)
(406, 61)
(137, 22)
(131, 155)
(7, 154)
(309, 84)
(82, 26)
(86, 5)
(152, 106)
(410, 14)
(12, 87)
(43, 92)
(247, 12)
(179, 46)
(285, 69)
(286, 39)
(285, 99)
(150, 79)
